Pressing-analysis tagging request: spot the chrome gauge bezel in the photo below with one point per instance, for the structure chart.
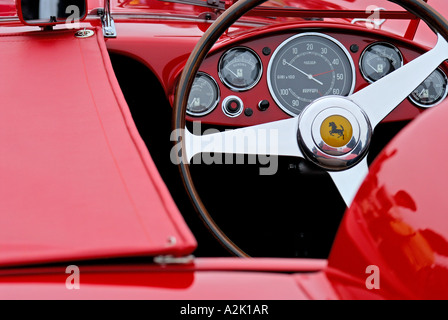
(344, 50)
(225, 111)
(438, 102)
(215, 103)
(230, 85)
(361, 67)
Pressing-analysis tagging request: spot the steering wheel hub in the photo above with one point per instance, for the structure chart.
(334, 133)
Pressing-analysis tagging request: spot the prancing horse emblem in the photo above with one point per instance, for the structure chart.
(334, 130)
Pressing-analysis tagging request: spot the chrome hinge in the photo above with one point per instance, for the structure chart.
(107, 21)
(173, 260)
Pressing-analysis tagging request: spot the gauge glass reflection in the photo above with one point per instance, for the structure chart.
(204, 95)
(431, 91)
(378, 60)
(240, 69)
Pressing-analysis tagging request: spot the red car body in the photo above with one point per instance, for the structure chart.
(79, 186)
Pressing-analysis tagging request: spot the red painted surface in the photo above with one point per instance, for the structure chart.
(129, 284)
(255, 278)
(395, 223)
(398, 219)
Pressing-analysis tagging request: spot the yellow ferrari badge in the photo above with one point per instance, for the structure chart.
(336, 131)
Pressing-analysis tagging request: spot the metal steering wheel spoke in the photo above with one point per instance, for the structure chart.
(383, 96)
(278, 138)
(349, 181)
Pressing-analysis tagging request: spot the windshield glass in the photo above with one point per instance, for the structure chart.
(362, 8)
(333, 5)
(8, 7)
(302, 4)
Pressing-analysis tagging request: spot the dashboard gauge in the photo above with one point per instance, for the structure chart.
(431, 91)
(204, 95)
(240, 69)
(306, 67)
(380, 59)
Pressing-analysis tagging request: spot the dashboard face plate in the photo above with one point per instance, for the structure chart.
(264, 45)
(306, 67)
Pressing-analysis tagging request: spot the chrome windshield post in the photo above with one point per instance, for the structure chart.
(107, 21)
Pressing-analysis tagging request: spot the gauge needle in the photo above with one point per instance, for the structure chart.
(376, 70)
(319, 74)
(233, 72)
(193, 103)
(306, 74)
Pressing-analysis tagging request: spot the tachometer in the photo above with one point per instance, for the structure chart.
(306, 67)
(204, 95)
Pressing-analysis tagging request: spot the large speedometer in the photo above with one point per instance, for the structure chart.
(306, 67)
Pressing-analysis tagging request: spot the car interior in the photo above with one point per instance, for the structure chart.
(292, 213)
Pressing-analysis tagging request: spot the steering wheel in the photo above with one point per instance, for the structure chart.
(302, 136)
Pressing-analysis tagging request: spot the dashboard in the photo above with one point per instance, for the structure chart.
(275, 75)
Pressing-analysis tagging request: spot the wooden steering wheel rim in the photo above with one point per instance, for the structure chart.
(419, 8)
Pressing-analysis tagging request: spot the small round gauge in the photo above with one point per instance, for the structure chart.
(306, 67)
(204, 95)
(431, 91)
(378, 60)
(240, 69)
